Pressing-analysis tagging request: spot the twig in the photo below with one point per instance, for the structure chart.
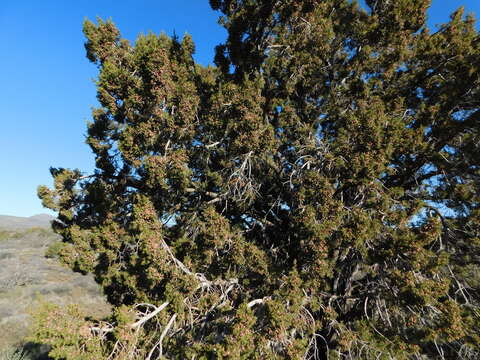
(257, 301)
(162, 336)
(212, 145)
(150, 315)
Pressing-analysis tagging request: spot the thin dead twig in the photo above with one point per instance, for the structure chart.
(162, 336)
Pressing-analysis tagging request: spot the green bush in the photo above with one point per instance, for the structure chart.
(53, 250)
(6, 235)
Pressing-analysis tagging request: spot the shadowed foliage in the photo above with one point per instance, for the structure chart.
(313, 196)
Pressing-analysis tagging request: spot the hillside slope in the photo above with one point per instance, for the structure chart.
(18, 223)
(27, 276)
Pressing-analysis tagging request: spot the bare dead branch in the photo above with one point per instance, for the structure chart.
(149, 316)
(162, 336)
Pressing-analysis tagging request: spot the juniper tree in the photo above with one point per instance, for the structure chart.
(314, 195)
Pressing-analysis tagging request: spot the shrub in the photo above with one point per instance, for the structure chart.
(315, 195)
(54, 250)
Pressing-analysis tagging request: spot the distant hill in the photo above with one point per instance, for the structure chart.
(19, 223)
(26, 276)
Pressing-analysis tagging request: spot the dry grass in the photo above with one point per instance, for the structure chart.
(6, 234)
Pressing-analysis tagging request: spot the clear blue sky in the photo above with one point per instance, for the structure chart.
(46, 82)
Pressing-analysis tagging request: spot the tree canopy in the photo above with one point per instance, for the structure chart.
(314, 195)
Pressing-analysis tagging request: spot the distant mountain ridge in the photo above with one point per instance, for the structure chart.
(20, 223)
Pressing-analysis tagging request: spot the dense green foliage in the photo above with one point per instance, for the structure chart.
(315, 195)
